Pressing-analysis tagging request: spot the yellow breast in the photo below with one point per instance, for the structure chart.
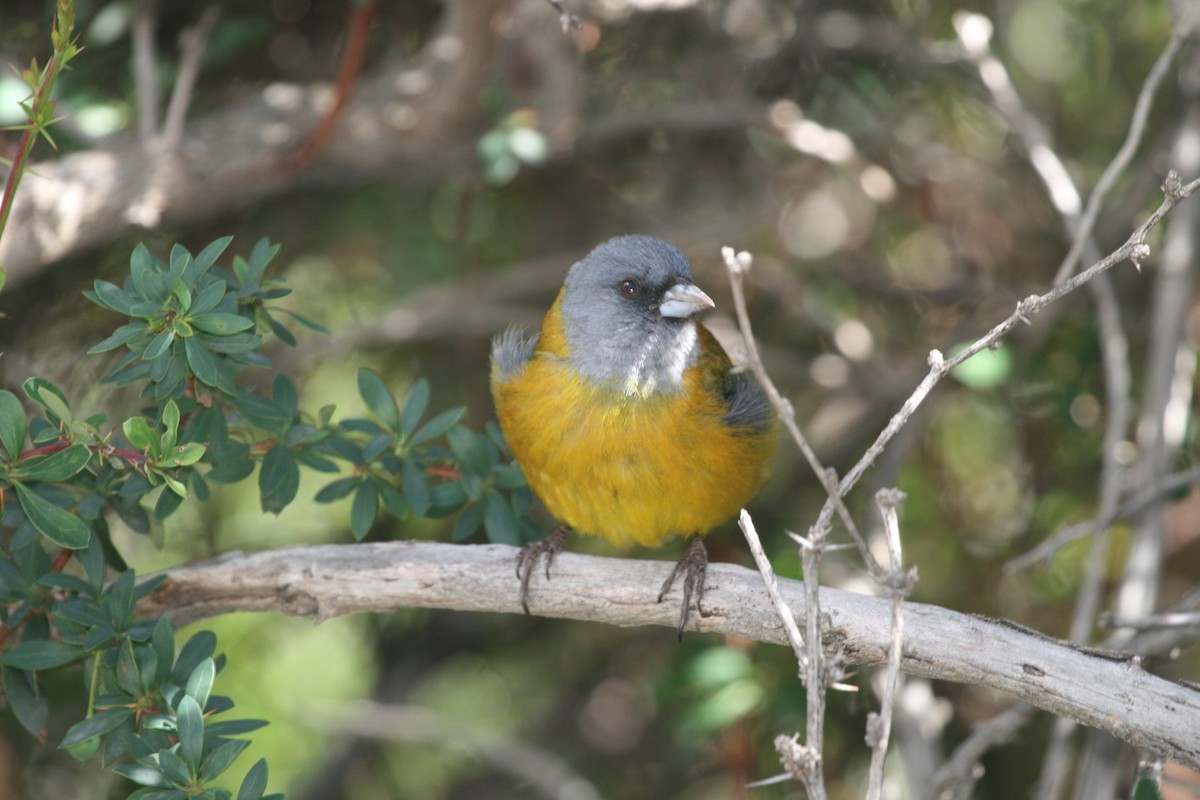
(630, 469)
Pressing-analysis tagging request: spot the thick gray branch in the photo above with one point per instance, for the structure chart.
(1110, 693)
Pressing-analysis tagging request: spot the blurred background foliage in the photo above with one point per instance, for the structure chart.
(848, 145)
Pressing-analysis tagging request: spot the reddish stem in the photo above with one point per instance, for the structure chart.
(348, 71)
(444, 472)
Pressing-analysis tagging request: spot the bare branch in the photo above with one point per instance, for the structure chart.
(145, 68)
(795, 638)
(1134, 505)
(737, 265)
(566, 18)
(1134, 249)
(330, 580)
(192, 44)
(897, 585)
(956, 778)
(1137, 129)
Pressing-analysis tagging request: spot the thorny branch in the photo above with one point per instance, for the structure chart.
(897, 583)
(1134, 249)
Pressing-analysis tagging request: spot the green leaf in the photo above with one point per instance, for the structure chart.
(180, 262)
(510, 476)
(178, 771)
(40, 654)
(306, 322)
(137, 431)
(56, 524)
(377, 397)
(336, 490)
(159, 345)
(190, 721)
(279, 330)
(468, 522)
(416, 491)
(27, 703)
(58, 466)
(286, 398)
(393, 501)
(414, 407)
(153, 793)
(170, 421)
(498, 519)
(184, 456)
(473, 450)
(99, 723)
(1146, 789)
(204, 260)
(221, 758)
(112, 297)
(437, 426)
(377, 446)
(231, 471)
(255, 782)
(143, 776)
(49, 397)
(128, 677)
(122, 335)
(204, 366)
(200, 646)
(235, 727)
(163, 642)
(12, 424)
(221, 324)
(208, 298)
(120, 598)
(200, 683)
(364, 509)
(278, 479)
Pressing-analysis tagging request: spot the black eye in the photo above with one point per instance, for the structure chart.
(629, 287)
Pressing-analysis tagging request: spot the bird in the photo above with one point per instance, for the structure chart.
(626, 416)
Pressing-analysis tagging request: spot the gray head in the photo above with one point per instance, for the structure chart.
(627, 315)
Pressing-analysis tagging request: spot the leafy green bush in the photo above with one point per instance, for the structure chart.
(191, 328)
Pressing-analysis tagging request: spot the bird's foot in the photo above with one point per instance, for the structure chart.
(693, 567)
(529, 555)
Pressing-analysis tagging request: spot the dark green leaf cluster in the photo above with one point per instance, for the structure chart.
(400, 465)
(190, 329)
(190, 320)
(145, 701)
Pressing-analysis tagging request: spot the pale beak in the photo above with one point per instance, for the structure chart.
(683, 300)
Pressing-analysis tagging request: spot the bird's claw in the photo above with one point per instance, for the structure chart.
(693, 566)
(529, 555)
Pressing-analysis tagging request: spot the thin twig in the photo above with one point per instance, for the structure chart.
(810, 556)
(1134, 249)
(353, 57)
(795, 638)
(1137, 129)
(958, 774)
(1151, 622)
(145, 68)
(1134, 505)
(565, 17)
(193, 42)
(737, 265)
(897, 585)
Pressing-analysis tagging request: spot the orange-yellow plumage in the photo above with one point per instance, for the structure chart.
(625, 414)
(631, 468)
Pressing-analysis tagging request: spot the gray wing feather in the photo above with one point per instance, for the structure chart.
(512, 350)
(749, 406)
